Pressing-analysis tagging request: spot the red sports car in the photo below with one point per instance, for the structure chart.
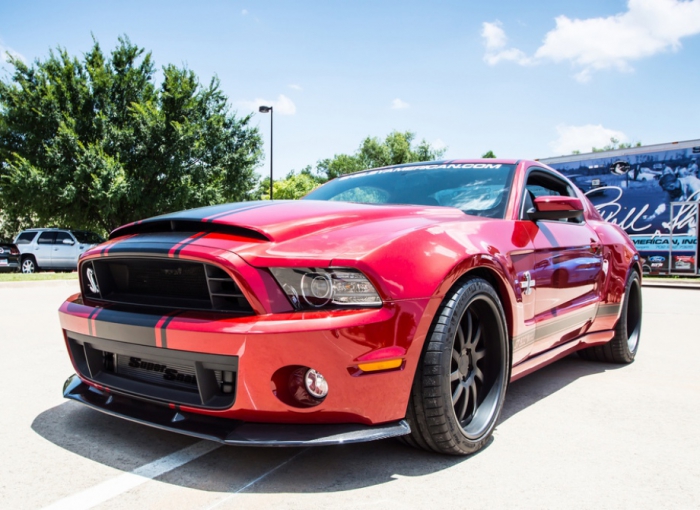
(397, 301)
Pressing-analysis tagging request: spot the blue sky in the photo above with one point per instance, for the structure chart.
(524, 79)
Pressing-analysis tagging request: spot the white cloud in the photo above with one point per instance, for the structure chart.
(4, 50)
(397, 104)
(294, 86)
(583, 138)
(647, 28)
(438, 144)
(495, 41)
(244, 12)
(283, 105)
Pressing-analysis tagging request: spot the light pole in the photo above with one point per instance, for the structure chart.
(266, 109)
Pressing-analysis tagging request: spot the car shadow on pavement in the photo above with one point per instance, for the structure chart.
(125, 446)
(548, 380)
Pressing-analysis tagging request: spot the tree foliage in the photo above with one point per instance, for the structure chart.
(292, 187)
(613, 145)
(488, 155)
(96, 142)
(397, 148)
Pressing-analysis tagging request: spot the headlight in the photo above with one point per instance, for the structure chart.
(315, 287)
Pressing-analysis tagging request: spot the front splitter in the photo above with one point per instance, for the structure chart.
(222, 430)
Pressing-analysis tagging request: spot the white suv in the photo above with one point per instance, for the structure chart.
(53, 248)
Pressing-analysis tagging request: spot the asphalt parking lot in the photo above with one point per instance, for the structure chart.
(574, 435)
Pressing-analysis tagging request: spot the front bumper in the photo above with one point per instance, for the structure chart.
(231, 432)
(255, 348)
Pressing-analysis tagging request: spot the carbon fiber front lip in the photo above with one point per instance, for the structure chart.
(227, 431)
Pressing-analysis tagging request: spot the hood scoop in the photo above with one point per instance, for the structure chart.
(157, 226)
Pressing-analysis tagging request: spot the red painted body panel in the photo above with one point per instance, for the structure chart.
(413, 255)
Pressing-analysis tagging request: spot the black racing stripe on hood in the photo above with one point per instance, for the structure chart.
(257, 205)
(195, 220)
(189, 241)
(206, 213)
(158, 243)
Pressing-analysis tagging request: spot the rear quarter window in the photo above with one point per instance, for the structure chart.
(25, 237)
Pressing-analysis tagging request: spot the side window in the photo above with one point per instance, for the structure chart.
(46, 238)
(25, 238)
(540, 184)
(61, 236)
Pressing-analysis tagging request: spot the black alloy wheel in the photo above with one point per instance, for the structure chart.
(624, 345)
(461, 379)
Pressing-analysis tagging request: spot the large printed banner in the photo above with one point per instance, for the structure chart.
(657, 242)
(641, 193)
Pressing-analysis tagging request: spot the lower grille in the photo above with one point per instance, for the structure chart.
(155, 372)
(166, 375)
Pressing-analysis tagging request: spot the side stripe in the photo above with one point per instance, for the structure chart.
(608, 310)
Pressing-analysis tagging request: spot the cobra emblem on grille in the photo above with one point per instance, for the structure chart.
(92, 281)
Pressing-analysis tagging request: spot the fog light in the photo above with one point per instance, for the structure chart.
(315, 383)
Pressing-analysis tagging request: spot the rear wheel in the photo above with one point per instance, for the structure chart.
(461, 379)
(29, 265)
(623, 347)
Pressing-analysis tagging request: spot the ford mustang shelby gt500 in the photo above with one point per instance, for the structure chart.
(397, 301)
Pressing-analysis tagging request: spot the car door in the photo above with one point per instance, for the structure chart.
(568, 268)
(43, 250)
(65, 251)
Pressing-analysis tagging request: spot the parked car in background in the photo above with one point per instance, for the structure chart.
(53, 248)
(9, 257)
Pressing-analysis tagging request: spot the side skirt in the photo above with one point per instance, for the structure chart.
(531, 364)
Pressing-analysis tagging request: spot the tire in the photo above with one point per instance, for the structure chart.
(624, 345)
(29, 265)
(462, 376)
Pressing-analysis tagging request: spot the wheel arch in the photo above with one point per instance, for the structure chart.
(490, 270)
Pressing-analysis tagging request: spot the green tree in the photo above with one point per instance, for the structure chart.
(396, 149)
(488, 155)
(613, 145)
(292, 187)
(95, 142)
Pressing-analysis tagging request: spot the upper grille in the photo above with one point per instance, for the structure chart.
(162, 283)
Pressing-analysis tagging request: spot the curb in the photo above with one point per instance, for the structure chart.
(671, 284)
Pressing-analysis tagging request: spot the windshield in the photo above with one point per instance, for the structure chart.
(87, 237)
(480, 189)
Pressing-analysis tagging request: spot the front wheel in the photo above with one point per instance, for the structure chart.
(461, 379)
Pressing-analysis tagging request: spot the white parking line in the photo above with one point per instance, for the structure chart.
(253, 482)
(111, 488)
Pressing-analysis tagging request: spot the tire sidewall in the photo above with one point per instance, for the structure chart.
(633, 285)
(471, 290)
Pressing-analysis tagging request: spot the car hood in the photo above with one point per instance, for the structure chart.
(269, 232)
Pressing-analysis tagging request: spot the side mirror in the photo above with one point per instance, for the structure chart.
(555, 208)
(69, 241)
